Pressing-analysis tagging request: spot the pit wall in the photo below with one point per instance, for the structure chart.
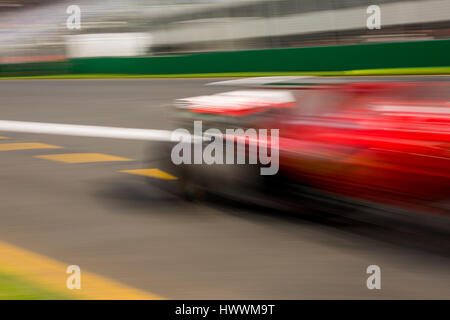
(417, 54)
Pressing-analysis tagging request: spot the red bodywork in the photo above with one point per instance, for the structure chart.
(388, 142)
(384, 142)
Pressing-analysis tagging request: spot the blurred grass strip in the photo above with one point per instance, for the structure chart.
(190, 75)
(400, 71)
(14, 288)
(368, 72)
(45, 272)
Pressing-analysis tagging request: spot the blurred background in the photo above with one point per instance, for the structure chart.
(36, 30)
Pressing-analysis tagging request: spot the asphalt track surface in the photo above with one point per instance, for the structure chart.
(120, 226)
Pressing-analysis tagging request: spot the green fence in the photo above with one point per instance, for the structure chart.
(432, 53)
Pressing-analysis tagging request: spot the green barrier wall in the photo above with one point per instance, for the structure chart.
(432, 53)
(36, 68)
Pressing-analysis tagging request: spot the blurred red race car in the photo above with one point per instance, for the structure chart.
(362, 144)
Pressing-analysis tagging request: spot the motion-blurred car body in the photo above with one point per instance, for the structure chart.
(377, 143)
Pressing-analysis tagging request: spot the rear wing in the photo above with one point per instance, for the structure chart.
(297, 82)
(258, 81)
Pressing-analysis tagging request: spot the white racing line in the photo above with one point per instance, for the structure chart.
(86, 131)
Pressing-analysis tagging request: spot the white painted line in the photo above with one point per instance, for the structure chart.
(86, 131)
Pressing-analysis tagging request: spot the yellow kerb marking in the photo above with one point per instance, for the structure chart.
(26, 146)
(81, 157)
(51, 274)
(154, 173)
(3, 137)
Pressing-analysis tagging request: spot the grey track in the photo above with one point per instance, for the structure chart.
(123, 227)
